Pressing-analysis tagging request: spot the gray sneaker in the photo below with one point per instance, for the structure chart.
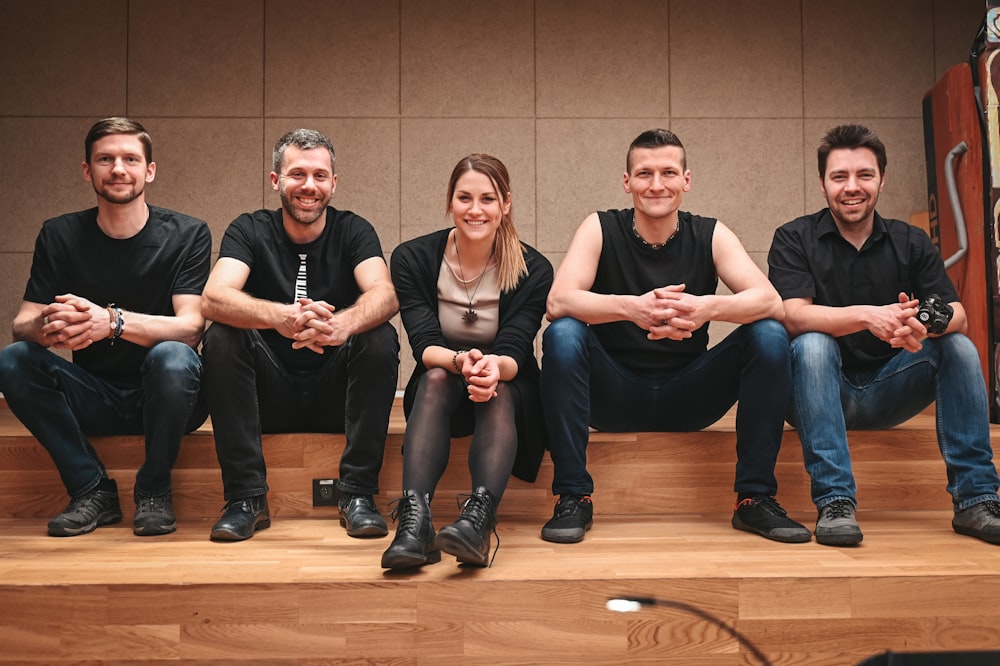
(154, 516)
(836, 525)
(87, 513)
(980, 520)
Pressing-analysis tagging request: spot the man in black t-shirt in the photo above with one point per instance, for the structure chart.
(300, 299)
(119, 286)
(869, 351)
(628, 345)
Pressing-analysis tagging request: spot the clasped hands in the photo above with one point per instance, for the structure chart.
(897, 324)
(72, 322)
(312, 325)
(669, 312)
(482, 374)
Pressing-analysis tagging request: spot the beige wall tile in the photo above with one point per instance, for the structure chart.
(602, 59)
(736, 59)
(870, 59)
(581, 164)
(190, 58)
(433, 147)
(467, 59)
(747, 173)
(209, 168)
(956, 23)
(905, 190)
(62, 58)
(350, 68)
(367, 167)
(17, 268)
(32, 147)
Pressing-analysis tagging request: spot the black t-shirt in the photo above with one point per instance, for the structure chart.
(170, 255)
(259, 240)
(810, 259)
(628, 266)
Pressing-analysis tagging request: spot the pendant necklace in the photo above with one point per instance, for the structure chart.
(470, 315)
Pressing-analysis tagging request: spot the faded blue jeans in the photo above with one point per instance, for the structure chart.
(828, 401)
(583, 386)
(60, 403)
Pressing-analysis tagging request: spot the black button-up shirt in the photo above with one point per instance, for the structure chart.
(810, 259)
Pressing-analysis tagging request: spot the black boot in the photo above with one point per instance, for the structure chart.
(413, 545)
(468, 538)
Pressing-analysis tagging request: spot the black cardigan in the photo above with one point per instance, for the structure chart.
(415, 267)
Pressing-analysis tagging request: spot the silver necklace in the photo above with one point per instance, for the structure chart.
(471, 315)
(655, 246)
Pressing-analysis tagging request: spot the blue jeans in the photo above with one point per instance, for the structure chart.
(583, 386)
(249, 391)
(60, 403)
(829, 400)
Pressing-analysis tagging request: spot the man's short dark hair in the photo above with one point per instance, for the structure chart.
(303, 139)
(851, 137)
(118, 125)
(655, 138)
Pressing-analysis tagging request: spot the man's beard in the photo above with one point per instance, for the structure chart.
(302, 217)
(119, 197)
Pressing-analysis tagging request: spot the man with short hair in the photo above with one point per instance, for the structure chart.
(878, 334)
(118, 285)
(627, 348)
(300, 299)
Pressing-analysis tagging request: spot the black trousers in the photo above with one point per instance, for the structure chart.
(249, 392)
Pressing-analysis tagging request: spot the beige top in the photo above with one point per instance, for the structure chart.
(456, 298)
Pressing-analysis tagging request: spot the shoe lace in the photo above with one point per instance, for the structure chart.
(838, 509)
(477, 509)
(767, 503)
(402, 510)
(569, 505)
(993, 507)
(153, 504)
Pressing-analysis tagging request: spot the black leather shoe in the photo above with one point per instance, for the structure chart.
(241, 518)
(359, 515)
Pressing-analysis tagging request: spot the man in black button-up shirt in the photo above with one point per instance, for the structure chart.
(853, 283)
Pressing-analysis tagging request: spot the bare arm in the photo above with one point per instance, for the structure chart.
(753, 297)
(73, 322)
(225, 301)
(570, 295)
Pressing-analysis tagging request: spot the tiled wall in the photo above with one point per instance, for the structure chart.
(555, 88)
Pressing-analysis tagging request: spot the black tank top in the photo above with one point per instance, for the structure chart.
(628, 266)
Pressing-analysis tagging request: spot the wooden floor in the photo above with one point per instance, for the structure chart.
(302, 592)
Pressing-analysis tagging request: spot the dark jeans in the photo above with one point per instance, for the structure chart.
(61, 404)
(583, 386)
(248, 392)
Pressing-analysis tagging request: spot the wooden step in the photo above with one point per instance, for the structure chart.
(303, 593)
(644, 473)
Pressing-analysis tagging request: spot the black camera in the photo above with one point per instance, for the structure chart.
(935, 314)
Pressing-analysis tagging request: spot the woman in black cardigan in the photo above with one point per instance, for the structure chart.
(472, 298)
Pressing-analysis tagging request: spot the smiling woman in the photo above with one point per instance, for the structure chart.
(472, 299)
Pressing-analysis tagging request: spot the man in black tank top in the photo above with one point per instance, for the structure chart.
(627, 348)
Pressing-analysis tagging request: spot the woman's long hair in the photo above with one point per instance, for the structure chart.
(506, 246)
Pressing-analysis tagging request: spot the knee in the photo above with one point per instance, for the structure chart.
(815, 352)
(769, 337)
(172, 361)
(564, 341)
(14, 358)
(956, 348)
(379, 342)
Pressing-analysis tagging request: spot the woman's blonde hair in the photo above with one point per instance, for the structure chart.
(506, 246)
